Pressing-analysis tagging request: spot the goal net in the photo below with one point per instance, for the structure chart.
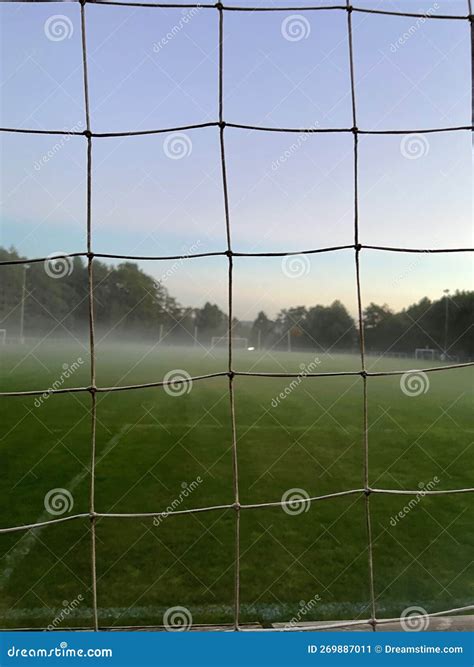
(426, 353)
(237, 342)
(368, 488)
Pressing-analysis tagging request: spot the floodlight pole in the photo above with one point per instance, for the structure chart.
(23, 299)
(446, 318)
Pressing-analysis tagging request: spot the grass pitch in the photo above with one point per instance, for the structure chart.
(157, 451)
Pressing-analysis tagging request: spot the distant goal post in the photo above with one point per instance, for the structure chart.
(426, 353)
(238, 342)
(3, 336)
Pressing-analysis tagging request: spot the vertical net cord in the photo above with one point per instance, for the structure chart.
(231, 374)
(365, 426)
(90, 259)
(471, 20)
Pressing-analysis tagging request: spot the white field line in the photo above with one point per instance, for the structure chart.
(155, 611)
(270, 612)
(247, 427)
(24, 545)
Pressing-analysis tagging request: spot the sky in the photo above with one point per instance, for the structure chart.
(162, 194)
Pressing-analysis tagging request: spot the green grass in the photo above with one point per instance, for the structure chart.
(149, 444)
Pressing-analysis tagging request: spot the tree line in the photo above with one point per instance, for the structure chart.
(52, 299)
(444, 325)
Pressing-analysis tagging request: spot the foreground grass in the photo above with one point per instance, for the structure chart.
(150, 445)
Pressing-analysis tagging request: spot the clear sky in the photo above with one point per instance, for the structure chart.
(162, 194)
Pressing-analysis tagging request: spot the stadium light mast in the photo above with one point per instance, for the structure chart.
(446, 319)
(23, 298)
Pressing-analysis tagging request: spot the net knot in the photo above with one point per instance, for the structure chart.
(358, 247)
(228, 253)
(350, 9)
(367, 491)
(219, 6)
(86, 133)
(355, 130)
(237, 506)
(222, 124)
(231, 375)
(364, 374)
(92, 389)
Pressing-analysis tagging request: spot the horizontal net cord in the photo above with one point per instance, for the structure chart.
(247, 627)
(102, 390)
(227, 627)
(98, 135)
(43, 524)
(221, 374)
(346, 624)
(421, 250)
(89, 134)
(351, 130)
(365, 373)
(233, 506)
(233, 253)
(308, 8)
(421, 492)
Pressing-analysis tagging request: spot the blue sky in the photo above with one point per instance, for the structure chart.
(287, 191)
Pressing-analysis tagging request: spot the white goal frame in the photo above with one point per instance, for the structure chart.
(428, 353)
(238, 342)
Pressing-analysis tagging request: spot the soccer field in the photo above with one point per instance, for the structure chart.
(159, 450)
